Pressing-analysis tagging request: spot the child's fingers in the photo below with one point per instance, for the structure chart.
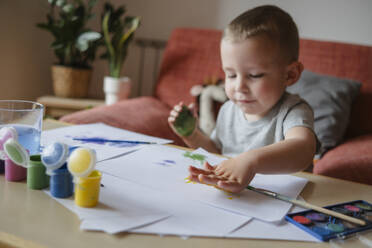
(208, 179)
(191, 106)
(174, 113)
(177, 108)
(171, 119)
(208, 166)
(196, 171)
(230, 186)
(220, 170)
(193, 110)
(194, 178)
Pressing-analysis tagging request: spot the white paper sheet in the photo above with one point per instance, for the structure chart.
(254, 229)
(124, 205)
(166, 168)
(116, 224)
(283, 230)
(128, 203)
(98, 130)
(156, 196)
(191, 218)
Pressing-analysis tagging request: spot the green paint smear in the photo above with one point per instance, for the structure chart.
(195, 156)
(185, 122)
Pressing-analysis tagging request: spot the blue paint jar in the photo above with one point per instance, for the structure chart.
(61, 185)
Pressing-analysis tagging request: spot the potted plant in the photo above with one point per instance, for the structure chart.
(117, 34)
(74, 45)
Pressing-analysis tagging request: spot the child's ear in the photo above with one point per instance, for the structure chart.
(293, 72)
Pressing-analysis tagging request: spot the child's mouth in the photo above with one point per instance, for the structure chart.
(245, 101)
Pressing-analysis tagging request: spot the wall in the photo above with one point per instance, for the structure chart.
(26, 57)
(336, 20)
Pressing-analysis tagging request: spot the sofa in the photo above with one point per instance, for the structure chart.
(192, 54)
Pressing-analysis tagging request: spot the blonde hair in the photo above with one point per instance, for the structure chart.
(267, 20)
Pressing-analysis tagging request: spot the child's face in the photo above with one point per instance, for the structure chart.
(255, 76)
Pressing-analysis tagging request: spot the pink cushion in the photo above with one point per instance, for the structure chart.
(351, 160)
(145, 115)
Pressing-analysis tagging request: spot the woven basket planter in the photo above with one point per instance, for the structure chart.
(70, 82)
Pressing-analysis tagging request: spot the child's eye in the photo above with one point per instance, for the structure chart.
(231, 76)
(256, 75)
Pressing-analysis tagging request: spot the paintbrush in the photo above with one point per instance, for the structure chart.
(101, 140)
(307, 205)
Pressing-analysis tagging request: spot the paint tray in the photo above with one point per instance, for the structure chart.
(325, 227)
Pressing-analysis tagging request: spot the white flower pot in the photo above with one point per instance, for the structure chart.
(116, 89)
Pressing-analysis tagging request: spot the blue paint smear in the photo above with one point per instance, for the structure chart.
(170, 161)
(114, 144)
(166, 163)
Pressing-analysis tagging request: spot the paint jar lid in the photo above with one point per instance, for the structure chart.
(5, 134)
(82, 162)
(54, 156)
(16, 152)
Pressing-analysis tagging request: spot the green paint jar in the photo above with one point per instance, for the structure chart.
(36, 176)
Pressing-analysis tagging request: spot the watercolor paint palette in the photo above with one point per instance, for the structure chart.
(325, 227)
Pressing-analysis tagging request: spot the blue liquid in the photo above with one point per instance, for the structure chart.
(28, 137)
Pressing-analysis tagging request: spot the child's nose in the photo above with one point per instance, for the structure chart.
(241, 85)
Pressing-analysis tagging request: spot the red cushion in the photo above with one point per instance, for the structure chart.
(351, 160)
(191, 56)
(145, 115)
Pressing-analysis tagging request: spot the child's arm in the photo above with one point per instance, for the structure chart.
(194, 138)
(293, 154)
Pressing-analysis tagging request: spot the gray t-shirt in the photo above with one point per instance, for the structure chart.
(233, 134)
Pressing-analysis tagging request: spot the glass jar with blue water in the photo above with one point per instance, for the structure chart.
(26, 117)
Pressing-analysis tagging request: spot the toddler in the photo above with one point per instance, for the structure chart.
(262, 128)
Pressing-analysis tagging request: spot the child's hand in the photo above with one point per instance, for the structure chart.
(182, 119)
(231, 175)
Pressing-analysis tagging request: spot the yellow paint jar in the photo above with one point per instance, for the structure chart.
(87, 189)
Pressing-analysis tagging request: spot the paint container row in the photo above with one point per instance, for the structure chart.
(52, 169)
(60, 181)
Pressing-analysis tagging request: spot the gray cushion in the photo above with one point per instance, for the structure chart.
(331, 99)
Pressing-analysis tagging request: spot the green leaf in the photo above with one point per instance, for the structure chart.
(68, 8)
(44, 26)
(106, 34)
(60, 3)
(84, 39)
(135, 22)
(56, 45)
(117, 35)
